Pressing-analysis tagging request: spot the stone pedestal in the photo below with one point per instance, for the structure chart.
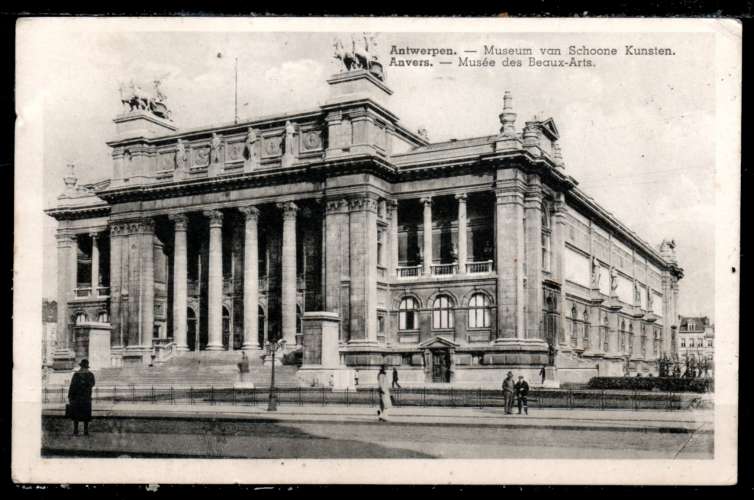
(321, 365)
(551, 377)
(63, 360)
(99, 346)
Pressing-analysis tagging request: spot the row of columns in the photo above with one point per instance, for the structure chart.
(427, 233)
(145, 260)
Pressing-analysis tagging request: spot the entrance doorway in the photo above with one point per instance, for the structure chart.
(440, 365)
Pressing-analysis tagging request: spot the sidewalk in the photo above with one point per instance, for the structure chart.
(679, 421)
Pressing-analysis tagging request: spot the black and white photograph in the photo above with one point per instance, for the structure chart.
(371, 250)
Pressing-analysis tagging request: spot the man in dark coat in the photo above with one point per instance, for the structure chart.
(522, 392)
(395, 379)
(80, 397)
(508, 388)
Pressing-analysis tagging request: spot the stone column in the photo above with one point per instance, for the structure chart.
(533, 248)
(95, 264)
(363, 290)
(427, 231)
(392, 209)
(558, 259)
(116, 285)
(63, 357)
(335, 250)
(509, 256)
(147, 283)
(215, 281)
(180, 282)
(288, 285)
(250, 278)
(462, 233)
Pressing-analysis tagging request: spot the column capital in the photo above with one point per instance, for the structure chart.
(94, 235)
(215, 217)
(426, 200)
(180, 221)
(339, 205)
(250, 212)
(461, 197)
(289, 209)
(363, 203)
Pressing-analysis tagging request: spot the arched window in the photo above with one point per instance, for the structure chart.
(80, 318)
(407, 319)
(479, 312)
(103, 317)
(442, 313)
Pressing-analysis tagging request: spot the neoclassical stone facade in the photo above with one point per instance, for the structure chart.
(455, 261)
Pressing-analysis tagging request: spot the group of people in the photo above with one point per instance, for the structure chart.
(518, 390)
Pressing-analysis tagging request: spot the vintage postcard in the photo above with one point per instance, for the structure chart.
(454, 251)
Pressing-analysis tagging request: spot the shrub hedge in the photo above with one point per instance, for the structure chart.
(665, 384)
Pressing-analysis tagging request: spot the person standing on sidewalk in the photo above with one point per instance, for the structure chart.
(522, 393)
(384, 390)
(395, 379)
(80, 398)
(508, 388)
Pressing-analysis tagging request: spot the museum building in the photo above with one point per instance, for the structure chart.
(454, 261)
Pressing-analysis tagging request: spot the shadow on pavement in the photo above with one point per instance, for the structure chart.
(191, 438)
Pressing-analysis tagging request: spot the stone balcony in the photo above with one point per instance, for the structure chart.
(445, 270)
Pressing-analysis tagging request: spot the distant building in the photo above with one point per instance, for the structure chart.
(696, 341)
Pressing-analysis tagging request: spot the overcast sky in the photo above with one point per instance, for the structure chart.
(635, 131)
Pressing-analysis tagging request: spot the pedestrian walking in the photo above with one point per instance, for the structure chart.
(542, 374)
(522, 394)
(79, 407)
(395, 379)
(384, 390)
(508, 389)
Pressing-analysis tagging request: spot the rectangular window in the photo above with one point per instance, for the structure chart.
(380, 238)
(683, 342)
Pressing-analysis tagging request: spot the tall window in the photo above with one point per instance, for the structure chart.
(407, 309)
(574, 328)
(380, 247)
(80, 318)
(546, 238)
(683, 342)
(103, 317)
(623, 336)
(605, 339)
(586, 328)
(630, 339)
(442, 313)
(479, 312)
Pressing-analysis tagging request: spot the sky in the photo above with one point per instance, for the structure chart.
(635, 131)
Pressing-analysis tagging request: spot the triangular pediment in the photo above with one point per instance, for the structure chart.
(438, 342)
(548, 126)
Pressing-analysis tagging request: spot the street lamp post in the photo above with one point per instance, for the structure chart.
(272, 348)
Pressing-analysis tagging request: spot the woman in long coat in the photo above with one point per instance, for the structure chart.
(80, 397)
(384, 388)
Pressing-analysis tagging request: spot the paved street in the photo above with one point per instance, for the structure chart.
(333, 432)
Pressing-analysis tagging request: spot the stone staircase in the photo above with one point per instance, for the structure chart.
(198, 369)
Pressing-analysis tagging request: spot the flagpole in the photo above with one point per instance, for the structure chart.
(236, 95)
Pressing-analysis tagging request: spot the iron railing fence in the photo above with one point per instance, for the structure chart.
(415, 396)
